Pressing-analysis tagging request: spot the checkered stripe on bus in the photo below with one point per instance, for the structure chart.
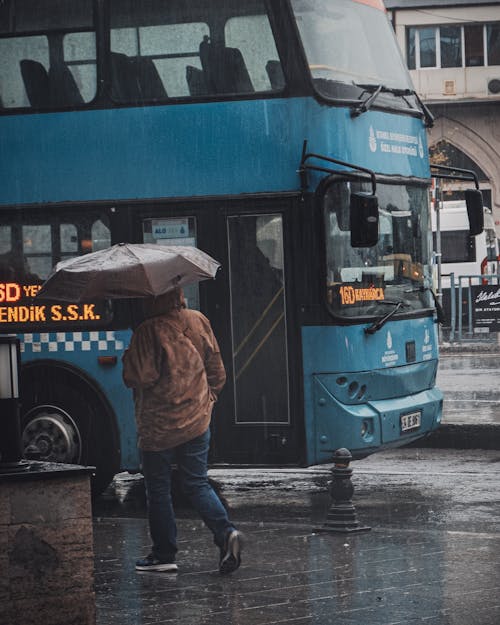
(70, 342)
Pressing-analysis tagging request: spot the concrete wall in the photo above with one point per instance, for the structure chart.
(46, 551)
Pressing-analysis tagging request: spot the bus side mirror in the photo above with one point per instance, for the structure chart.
(475, 210)
(363, 220)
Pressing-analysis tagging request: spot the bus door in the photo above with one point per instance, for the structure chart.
(254, 420)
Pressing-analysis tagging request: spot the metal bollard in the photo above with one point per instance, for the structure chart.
(341, 517)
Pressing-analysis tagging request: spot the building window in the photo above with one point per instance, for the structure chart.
(493, 43)
(474, 47)
(428, 48)
(470, 45)
(450, 42)
(411, 51)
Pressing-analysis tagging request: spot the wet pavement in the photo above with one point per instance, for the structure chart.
(432, 555)
(469, 382)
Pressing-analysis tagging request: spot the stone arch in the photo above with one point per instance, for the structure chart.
(475, 147)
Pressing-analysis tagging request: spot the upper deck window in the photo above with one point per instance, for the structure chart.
(349, 43)
(48, 53)
(178, 49)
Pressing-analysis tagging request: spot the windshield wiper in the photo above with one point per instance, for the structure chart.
(363, 105)
(428, 116)
(376, 325)
(374, 90)
(440, 314)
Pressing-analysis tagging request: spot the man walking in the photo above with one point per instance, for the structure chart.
(174, 366)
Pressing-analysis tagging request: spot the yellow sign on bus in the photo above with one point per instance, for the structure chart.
(352, 295)
(17, 308)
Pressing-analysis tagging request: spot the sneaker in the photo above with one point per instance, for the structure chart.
(230, 554)
(150, 563)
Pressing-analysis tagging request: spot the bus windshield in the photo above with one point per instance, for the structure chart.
(362, 281)
(349, 43)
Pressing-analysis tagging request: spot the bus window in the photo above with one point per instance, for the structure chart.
(14, 51)
(258, 317)
(39, 246)
(69, 240)
(253, 36)
(174, 231)
(7, 269)
(349, 43)
(100, 235)
(80, 57)
(172, 50)
(29, 249)
(5, 239)
(167, 50)
(359, 280)
(45, 63)
(37, 250)
(269, 239)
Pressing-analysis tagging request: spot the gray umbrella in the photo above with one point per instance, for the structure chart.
(127, 270)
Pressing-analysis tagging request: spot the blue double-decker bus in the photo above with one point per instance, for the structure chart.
(284, 138)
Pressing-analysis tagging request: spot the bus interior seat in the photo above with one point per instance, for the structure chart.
(275, 75)
(63, 88)
(195, 79)
(124, 82)
(148, 79)
(36, 83)
(224, 69)
(57, 87)
(134, 79)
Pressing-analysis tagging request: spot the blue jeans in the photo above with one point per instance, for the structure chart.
(191, 459)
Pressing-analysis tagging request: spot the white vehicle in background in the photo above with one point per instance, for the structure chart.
(464, 254)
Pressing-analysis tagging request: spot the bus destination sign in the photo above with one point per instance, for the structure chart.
(350, 295)
(20, 309)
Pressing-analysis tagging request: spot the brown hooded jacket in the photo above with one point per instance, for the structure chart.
(174, 365)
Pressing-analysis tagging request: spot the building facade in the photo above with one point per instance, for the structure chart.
(452, 49)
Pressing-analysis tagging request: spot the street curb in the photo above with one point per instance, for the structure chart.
(456, 436)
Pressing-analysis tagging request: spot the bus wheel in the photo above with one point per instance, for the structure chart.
(65, 418)
(52, 434)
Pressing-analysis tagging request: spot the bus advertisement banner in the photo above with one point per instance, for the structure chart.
(486, 308)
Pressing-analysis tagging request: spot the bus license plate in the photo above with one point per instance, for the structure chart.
(410, 421)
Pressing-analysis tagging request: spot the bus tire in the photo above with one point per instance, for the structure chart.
(65, 418)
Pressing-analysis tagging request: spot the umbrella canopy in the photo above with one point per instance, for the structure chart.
(127, 270)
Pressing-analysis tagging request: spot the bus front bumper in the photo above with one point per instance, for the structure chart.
(371, 426)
